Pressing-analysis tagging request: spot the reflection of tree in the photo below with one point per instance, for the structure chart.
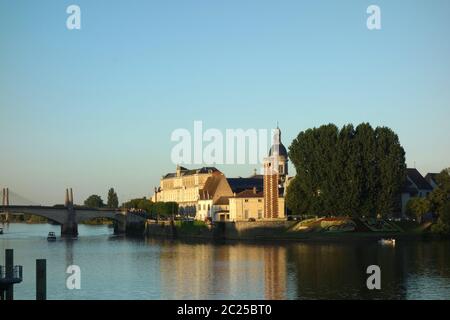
(332, 271)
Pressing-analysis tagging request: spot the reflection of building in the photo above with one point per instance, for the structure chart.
(275, 279)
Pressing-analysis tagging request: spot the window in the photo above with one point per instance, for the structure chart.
(259, 214)
(259, 200)
(246, 200)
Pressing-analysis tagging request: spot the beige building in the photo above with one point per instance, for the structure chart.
(186, 187)
(249, 205)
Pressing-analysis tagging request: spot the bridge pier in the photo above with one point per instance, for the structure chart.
(69, 229)
(120, 227)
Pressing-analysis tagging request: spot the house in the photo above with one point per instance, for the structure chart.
(431, 179)
(414, 186)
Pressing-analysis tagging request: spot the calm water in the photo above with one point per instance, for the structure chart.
(116, 267)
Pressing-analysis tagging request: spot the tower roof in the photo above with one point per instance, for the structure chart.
(277, 147)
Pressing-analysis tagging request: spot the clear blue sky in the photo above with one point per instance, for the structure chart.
(95, 108)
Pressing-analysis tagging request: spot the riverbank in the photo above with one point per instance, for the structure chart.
(264, 231)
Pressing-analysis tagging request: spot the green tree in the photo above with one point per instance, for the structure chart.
(443, 224)
(440, 203)
(94, 201)
(113, 200)
(165, 209)
(441, 194)
(353, 171)
(417, 207)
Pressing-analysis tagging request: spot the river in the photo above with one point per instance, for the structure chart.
(119, 267)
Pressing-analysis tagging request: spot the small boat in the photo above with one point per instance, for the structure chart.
(51, 236)
(387, 242)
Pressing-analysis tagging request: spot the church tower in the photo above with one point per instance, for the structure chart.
(275, 174)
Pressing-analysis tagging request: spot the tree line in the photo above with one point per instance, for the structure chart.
(352, 171)
(142, 205)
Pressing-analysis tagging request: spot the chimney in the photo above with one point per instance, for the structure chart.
(4, 196)
(7, 196)
(254, 190)
(254, 172)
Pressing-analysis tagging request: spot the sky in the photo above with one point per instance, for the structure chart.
(95, 108)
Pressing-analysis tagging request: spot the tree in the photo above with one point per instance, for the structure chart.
(113, 200)
(440, 203)
(94, 201)
(417, 207)
(441, 194)
(443, 224)
(353, 171)
(165, 209)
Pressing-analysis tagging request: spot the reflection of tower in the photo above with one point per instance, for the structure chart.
(275, 173)
(275, 273)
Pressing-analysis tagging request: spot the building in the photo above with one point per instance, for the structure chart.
(249, 205)
(414, 186)
(431, 179)
(185, 187)
(206, 193)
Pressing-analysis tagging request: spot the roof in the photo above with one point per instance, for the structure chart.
(186, 172)
(240, 184)
(431, 177)
(279, 149)
(249, 194)
(210, 187)
(222, 201)
(415, 176)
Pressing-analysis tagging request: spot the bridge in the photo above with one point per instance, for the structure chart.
(67, 215)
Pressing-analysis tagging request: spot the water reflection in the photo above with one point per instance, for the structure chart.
(127, 268)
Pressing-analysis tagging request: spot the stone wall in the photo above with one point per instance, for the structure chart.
(243, 230)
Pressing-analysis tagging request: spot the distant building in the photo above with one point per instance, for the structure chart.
(185, 187)
(431, 179)
(414, 186)
(206, 193)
